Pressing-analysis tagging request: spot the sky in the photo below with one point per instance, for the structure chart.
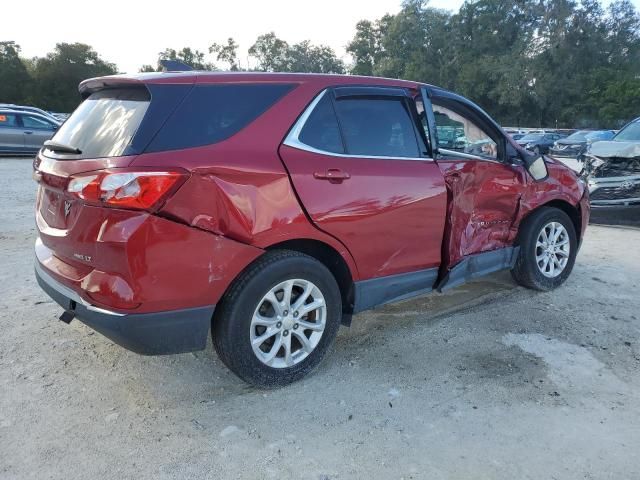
(131, 33)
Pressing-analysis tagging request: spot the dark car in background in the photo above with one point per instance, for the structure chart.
(539, 142)
(575, 145)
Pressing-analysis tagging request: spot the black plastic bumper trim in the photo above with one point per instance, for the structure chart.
(479, 265)
(393, 288)
(158, 333)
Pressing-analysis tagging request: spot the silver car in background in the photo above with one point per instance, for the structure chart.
(23, 133)
(612, 171)
(30, 109)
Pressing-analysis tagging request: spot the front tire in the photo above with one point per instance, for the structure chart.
(548, 248)
(278, 319)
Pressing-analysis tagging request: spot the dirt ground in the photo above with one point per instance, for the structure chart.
(489, 381)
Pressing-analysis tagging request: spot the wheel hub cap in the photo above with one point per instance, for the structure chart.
(552, 249)
(288, 323)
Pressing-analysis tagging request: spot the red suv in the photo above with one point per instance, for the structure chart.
(270, 208)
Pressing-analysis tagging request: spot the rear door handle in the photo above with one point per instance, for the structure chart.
(332, 174)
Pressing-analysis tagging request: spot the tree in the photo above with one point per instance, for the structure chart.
(227, 53)
(271, 53)
(365, 47)
(56, 76)
(305, 57)
(528, 62)
(193, 58)
(14, 77)
(276, 55)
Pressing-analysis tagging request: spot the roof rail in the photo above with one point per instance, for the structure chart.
(174, 66)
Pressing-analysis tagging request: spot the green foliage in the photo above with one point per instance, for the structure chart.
(193, 58)
(570, 63)
(271, 53)
(14, 77)
(227, 53)
(276, 55)
(528, 62)
(56, 76)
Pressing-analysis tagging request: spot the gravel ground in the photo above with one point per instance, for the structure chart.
(489, 381)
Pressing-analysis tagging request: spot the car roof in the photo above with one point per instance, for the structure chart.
(23, 112)
(201, 77)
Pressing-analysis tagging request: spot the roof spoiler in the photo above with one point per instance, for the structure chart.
(174, 66)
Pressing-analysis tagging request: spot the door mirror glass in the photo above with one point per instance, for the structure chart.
(538, 168)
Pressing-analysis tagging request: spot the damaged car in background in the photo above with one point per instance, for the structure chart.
(612, 171)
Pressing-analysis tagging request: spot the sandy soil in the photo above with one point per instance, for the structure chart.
(489, 381)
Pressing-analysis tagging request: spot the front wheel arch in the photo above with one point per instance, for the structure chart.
(572, 211)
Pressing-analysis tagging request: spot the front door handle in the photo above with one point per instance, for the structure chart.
(332, 174)
(28, 132)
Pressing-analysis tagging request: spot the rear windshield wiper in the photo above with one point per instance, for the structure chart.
(61, 147)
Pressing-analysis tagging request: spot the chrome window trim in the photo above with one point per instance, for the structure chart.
(292, 140)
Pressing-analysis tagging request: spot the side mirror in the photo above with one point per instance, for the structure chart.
(538, 168)
(535, 164)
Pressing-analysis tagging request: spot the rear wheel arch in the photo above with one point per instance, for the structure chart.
(330, 258)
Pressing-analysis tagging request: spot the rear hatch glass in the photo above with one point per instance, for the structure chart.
(157, 117)
(105, 123)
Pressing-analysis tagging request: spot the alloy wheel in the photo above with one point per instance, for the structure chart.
(288, 323)
(552, 249)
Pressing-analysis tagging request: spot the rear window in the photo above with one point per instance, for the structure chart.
(8, 120)
(212, 113)
(104, 124)
(321, 130)
(377, 127)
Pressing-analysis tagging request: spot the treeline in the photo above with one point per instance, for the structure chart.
(49, 82)
(558, 63)
(527, 62)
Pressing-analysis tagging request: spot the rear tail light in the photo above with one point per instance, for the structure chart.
(130, 189)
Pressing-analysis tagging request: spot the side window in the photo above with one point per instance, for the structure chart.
(213, 113)
(459, 134)
(379, 127)
(29, 121)
(321, 129)
(8, 120)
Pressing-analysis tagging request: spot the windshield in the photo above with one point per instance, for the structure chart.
(532, 137)
(604, 135)
(104, 124)
(580, 136)
(630, 133)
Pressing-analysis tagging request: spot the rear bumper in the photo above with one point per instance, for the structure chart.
(174, 331)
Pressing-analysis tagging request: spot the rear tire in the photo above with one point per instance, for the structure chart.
(265, 329)
(548, 248)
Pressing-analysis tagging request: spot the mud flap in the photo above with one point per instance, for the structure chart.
(67, 316)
